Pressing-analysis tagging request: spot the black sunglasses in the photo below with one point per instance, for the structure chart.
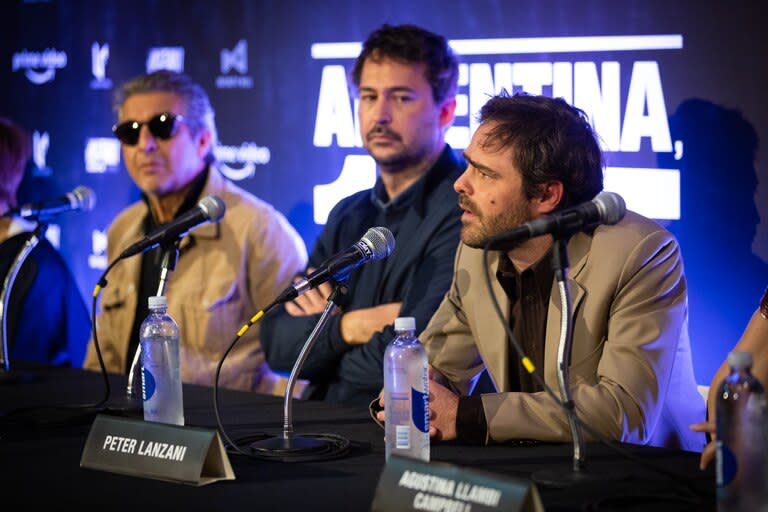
(163, 126)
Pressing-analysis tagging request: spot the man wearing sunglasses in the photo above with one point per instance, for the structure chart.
(226, 271)
(407, 79)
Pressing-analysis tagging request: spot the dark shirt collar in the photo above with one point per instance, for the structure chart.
(419, 191)
(507, 274)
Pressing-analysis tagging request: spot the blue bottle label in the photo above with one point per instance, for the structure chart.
(148, 385)
(726, 465)
(420, 410)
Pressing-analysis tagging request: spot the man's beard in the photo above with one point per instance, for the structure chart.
(478, 234)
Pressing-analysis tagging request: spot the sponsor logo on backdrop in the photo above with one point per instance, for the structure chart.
(239, 162)
(97, 260)
(39, 67)
(99, 58)
(167, 57)
(235, 59)
(102, 154)
(40, 144)
(630, 118)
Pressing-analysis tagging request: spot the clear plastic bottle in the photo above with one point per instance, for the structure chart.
(741, 454)
(161, 378)
(406, 394)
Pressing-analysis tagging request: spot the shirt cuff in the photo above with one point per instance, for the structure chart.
(471, 426)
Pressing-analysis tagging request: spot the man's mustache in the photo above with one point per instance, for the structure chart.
(467, 204)
(382, 130)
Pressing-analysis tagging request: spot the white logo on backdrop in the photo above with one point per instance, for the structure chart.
(167, 57)
(102, 154)
(98, 258)
(40, 144)
(247, 156)
(47, 62)
(99, 58)
(235, 59)
(592, 85)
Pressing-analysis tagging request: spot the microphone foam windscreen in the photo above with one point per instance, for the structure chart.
(611, 205)
(213, 207)
(85, 198)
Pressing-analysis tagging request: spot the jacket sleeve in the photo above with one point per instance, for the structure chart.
(449, 341)
(283, 335)
(624, 398)
(362, 367)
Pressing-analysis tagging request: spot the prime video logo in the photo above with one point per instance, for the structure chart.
(248, 155)
(40, 66)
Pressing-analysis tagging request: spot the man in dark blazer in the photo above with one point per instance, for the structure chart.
(407, 79)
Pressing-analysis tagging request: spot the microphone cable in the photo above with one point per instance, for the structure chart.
(693, 493)
(333, 446)
(68, 414)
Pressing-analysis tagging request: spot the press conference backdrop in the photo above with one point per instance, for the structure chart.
(676, 91)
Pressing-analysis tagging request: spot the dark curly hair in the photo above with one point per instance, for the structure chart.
(551, 141)
(412, 44)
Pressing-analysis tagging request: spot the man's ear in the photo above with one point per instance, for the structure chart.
(551, 194)
(204, 142)
(447, 112)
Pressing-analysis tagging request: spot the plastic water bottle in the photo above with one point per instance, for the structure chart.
(741, 454)
(406, 394)
(161, 378)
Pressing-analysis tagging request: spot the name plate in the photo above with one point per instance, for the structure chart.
(408, 484)
(160, 451)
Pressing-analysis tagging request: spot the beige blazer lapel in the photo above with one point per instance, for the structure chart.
(490, 336)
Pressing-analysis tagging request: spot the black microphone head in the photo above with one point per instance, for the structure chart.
(380, 240)
(84, 199)
(213, 207)
(611, 206)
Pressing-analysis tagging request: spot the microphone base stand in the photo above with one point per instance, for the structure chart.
(131, 403)
(7, 375)
(289, 445)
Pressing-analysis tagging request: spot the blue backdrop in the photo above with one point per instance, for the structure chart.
(675, 90)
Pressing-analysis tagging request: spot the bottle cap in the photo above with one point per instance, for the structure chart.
(740, 359)
(158, 302)
(405, 323)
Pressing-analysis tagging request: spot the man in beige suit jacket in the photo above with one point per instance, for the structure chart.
(631, 374)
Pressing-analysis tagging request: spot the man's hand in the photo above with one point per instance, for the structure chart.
(443, 407)
(359, 325)
(709, 451)
(311, 302)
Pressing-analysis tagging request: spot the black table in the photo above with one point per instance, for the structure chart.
(39, 460)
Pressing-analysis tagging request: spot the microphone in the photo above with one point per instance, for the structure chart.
(605, 208)
(376, 244)
(80, 199)
(209, 209)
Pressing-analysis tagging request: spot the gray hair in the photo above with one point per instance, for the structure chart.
(199, 112)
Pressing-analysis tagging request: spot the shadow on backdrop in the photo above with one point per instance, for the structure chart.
(717, 226)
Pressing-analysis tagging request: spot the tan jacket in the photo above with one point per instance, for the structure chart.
(631, 371)
(225, 274)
